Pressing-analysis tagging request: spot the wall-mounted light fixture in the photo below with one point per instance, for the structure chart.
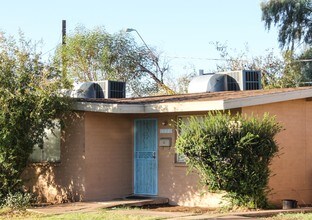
(164, 123)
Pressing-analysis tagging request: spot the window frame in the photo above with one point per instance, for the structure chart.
(43, 150)
(177, 155)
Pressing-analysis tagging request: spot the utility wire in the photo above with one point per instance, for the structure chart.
(57, 44)
(49, 50)
(303, 60)
(203, 58)
(220, 59)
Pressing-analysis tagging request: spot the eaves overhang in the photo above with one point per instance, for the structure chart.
(267, 99)
(191, 105)
(150, 107)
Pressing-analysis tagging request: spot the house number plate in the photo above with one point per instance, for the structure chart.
(165, 131)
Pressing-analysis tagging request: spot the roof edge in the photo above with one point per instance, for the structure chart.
(109, 107)
(150, 108)
(191, 105)
(267, 99)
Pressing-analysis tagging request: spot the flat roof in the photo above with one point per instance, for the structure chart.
(193, 101)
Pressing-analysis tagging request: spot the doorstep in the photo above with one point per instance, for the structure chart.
(92, 206)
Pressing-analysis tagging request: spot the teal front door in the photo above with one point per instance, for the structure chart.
(145, 157)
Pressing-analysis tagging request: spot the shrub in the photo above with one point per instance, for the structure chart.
(30, 100)
(231, 153)
(18, 200)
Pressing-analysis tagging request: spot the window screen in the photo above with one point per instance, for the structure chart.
(51, 149)
(181, 158)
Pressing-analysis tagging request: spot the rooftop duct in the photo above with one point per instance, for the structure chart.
(212, 82)
(226, 81)
(99, 89)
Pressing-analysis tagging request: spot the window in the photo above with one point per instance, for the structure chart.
(51, 149)
(181, 158)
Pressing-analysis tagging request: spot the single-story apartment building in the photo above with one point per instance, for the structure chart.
(111, 148)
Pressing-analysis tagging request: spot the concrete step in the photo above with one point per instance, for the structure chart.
(137, 201)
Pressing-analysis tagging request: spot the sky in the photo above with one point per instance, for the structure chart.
(182, 29)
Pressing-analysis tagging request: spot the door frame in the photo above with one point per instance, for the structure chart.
(156, 155)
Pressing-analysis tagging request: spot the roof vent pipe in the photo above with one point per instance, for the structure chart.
(201, 72)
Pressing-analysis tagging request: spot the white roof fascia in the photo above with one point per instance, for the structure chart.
(149, 108)
(184, 106)
(108, 107)
(192, 106)
(267, 99)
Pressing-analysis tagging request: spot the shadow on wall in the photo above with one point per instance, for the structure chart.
(184, 185)
(186, 189)
(62, 181)
(176, 182)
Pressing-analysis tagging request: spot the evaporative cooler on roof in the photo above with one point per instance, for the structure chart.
(242, 80)
(115, 89)
(99, 89)
(226, 81)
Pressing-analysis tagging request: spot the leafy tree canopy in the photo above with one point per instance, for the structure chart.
(293, 18)
(93, 55)
(306, 65)
(283, 71)
(30, 100)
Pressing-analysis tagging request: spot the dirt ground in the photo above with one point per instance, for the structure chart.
(170, 208)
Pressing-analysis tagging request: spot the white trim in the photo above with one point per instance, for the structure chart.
(267, 99)
(150, 108)
(192, 106)
(108, 107)
(184, 106)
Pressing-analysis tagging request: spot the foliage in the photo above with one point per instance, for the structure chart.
(183, 82)
(270, 65)
(296, 71)
(306, 65)
(180, 84)
(292, 76)
(18, 200)
(93, 55)
(293, 19)
(277, 72)
(231, 153)
(29, 101)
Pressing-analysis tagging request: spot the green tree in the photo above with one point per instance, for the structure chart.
(293, 19)
(180, 83)
(294, 22)
(285, 71)
(231, 154)
(30, 100)
(292, 76)
(93, 55)
(306, 66)
(270, 65)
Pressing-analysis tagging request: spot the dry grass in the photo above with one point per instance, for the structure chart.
(6, 213)
(168, 208)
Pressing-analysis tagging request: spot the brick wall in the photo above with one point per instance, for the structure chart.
(292, 170)
(65, 180)
(109, 153)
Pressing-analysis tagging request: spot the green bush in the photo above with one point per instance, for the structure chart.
(18, 200)
(30, 100)
(231, 154)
